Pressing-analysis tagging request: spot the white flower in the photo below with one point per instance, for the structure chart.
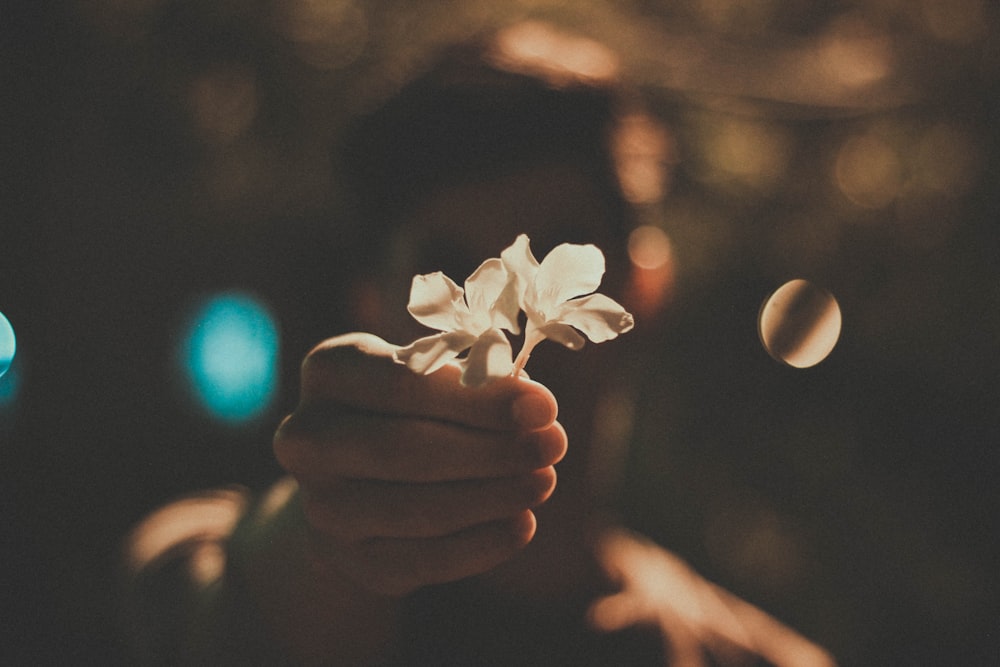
(469, 319)
(558, 297)
(548, 293)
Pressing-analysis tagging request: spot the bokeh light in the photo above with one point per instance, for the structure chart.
(328, 34)
(223, 102)
(537, 48)
(649, 247)
(742, 152)
(855, 54)
(799, 324)
(653, 269)
(10, 384)
(230, 357)
(868, 171)
(947, 160)
(736, 16)
(8, 344)
(645, 153)
(958, 21)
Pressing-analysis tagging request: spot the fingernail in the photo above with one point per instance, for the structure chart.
(531, 410)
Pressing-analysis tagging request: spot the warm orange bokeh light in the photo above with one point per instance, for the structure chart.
(645, 154)
(539, 49)
(328, 34)
(854, 54)
(868, 171)
(223, 102)
(958, 21)
(649, 247)
(748, 152)
(947, 161)
(651, 284)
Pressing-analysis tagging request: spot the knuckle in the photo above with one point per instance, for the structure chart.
(321, 366)
(287, 448)
(335, 357)
(316, 441)
(295, 443)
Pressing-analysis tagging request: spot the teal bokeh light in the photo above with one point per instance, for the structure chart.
(10, 383)
(8, 344)
(230, 357)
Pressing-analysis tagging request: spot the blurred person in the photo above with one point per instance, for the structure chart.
(421, 522)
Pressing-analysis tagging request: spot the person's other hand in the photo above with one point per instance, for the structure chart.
(409, 480)
(702, 623)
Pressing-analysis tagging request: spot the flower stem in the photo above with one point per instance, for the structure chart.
(530, 341)
(519, 363)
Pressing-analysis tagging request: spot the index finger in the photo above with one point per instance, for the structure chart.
(358, 370)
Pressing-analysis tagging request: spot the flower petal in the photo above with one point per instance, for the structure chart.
(435, 301)
(426, 355)
(521, 264)
(563, 334)
(485, 284)
(569, 271)
(518, 258)
(491, 298)
(507, 308)
(489, 358)
(599, 317)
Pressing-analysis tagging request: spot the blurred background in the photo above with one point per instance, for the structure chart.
(170, 249)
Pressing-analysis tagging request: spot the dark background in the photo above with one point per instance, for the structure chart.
(856, 500)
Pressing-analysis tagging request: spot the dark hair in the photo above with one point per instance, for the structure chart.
(466, 120)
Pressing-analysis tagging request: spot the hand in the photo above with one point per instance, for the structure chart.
(409, 480)
(698, 618)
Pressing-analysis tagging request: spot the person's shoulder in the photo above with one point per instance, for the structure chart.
(173, 560)
(191, 530)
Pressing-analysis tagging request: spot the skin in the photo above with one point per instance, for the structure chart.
(405, 481)
(410, 480)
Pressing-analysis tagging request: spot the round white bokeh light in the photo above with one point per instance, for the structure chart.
(799, 324)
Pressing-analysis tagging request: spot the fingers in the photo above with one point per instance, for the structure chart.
(357, 370)
(317, 443)
(354, 510)
(393, 566)
(409, 480)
